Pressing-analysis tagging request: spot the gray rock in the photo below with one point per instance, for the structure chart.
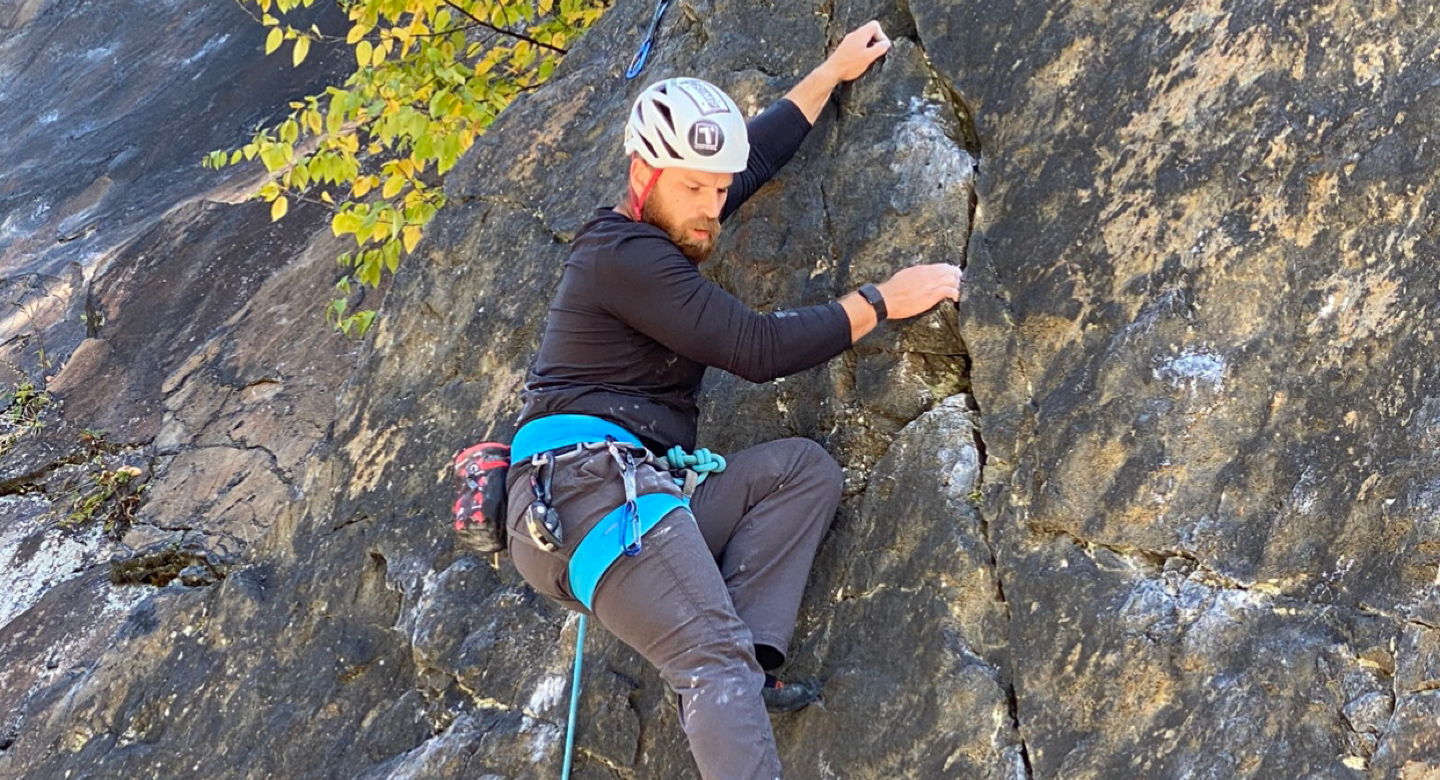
(1159, 502)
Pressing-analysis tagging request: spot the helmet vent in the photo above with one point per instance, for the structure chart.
(665, 112)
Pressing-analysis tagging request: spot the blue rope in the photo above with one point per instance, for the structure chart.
(574, 699)
(703, 462)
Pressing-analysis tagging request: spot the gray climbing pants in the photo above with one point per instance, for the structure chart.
(705, 595)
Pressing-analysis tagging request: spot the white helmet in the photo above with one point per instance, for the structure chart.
(688, 123)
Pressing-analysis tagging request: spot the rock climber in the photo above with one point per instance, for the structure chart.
(704, 581)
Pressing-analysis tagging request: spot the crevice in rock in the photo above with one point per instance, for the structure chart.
(620, 772)
(970, 140)
(32, 481)
(360, 518)
(518, 205)
(987, 533)
(841, 271)
(1162, 561)
(192, 567)
(844, 597)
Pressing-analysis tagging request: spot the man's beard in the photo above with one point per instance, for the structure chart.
(696, 251)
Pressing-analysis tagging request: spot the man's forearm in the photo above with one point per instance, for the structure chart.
(814, 90)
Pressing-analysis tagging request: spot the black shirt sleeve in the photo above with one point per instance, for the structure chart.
(653, 288)
(775, 135)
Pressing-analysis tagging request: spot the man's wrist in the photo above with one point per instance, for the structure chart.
(876, 299)
(829, 74)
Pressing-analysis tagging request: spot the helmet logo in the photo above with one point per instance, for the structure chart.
(706, 138)
(707, 99)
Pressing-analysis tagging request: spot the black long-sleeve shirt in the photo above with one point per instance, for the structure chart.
(634, 324)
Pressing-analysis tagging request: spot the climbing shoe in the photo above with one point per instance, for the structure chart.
(781, 696)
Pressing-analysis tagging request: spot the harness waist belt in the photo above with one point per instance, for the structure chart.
(600, 548)
(564, 430)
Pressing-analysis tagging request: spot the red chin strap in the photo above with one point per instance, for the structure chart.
(637, 202)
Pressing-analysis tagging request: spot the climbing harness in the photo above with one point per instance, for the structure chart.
(621, 531)
(638, 64)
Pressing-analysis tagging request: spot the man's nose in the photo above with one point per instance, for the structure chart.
(712, 206)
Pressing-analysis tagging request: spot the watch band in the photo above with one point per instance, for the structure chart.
(872, 294)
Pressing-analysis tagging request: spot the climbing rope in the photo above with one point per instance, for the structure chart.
(574, 699)
(702, 461)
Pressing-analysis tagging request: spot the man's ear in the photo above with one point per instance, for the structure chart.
(639, 174)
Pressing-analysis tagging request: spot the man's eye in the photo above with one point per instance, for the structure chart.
(693, 187)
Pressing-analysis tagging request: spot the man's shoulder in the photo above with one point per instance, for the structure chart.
(612, 237)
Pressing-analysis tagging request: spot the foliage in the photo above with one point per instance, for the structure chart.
(431, 76)
(22, 410)
(113, 492)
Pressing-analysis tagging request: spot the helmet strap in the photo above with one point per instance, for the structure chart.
(637, 202)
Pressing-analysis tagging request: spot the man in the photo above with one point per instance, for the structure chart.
(705, 586)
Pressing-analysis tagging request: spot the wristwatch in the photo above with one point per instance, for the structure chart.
(872, 294)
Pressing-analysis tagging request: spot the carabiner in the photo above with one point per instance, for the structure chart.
(638, 64)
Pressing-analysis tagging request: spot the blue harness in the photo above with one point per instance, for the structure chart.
(618, 532)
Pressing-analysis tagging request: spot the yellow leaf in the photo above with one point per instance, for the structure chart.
(302, 47)
(363, 50)
(325, 196)
(410, 236)
(278, 208)
(274, 39)
(356, 33)
(363, 185)
(392, 186)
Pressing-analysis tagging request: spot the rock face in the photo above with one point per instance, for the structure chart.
(1159, 500)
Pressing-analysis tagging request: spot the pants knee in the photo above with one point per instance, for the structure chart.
(717, 662)
(819, 468)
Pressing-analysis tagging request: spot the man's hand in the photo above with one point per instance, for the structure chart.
(916, 289)
(856, 52)
(911, 291)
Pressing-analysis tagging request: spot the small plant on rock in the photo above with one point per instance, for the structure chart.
(109, 493)
(112, 499)
(22, 410)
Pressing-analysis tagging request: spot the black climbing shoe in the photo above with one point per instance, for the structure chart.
(781, 696)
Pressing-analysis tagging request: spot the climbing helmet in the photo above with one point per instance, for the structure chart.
(688, 123)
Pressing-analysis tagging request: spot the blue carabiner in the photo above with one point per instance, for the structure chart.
(638, 64)
(630, 537)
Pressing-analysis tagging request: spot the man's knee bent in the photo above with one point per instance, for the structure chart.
(818, 467)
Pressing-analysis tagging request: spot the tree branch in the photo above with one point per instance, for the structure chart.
(521, 36)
